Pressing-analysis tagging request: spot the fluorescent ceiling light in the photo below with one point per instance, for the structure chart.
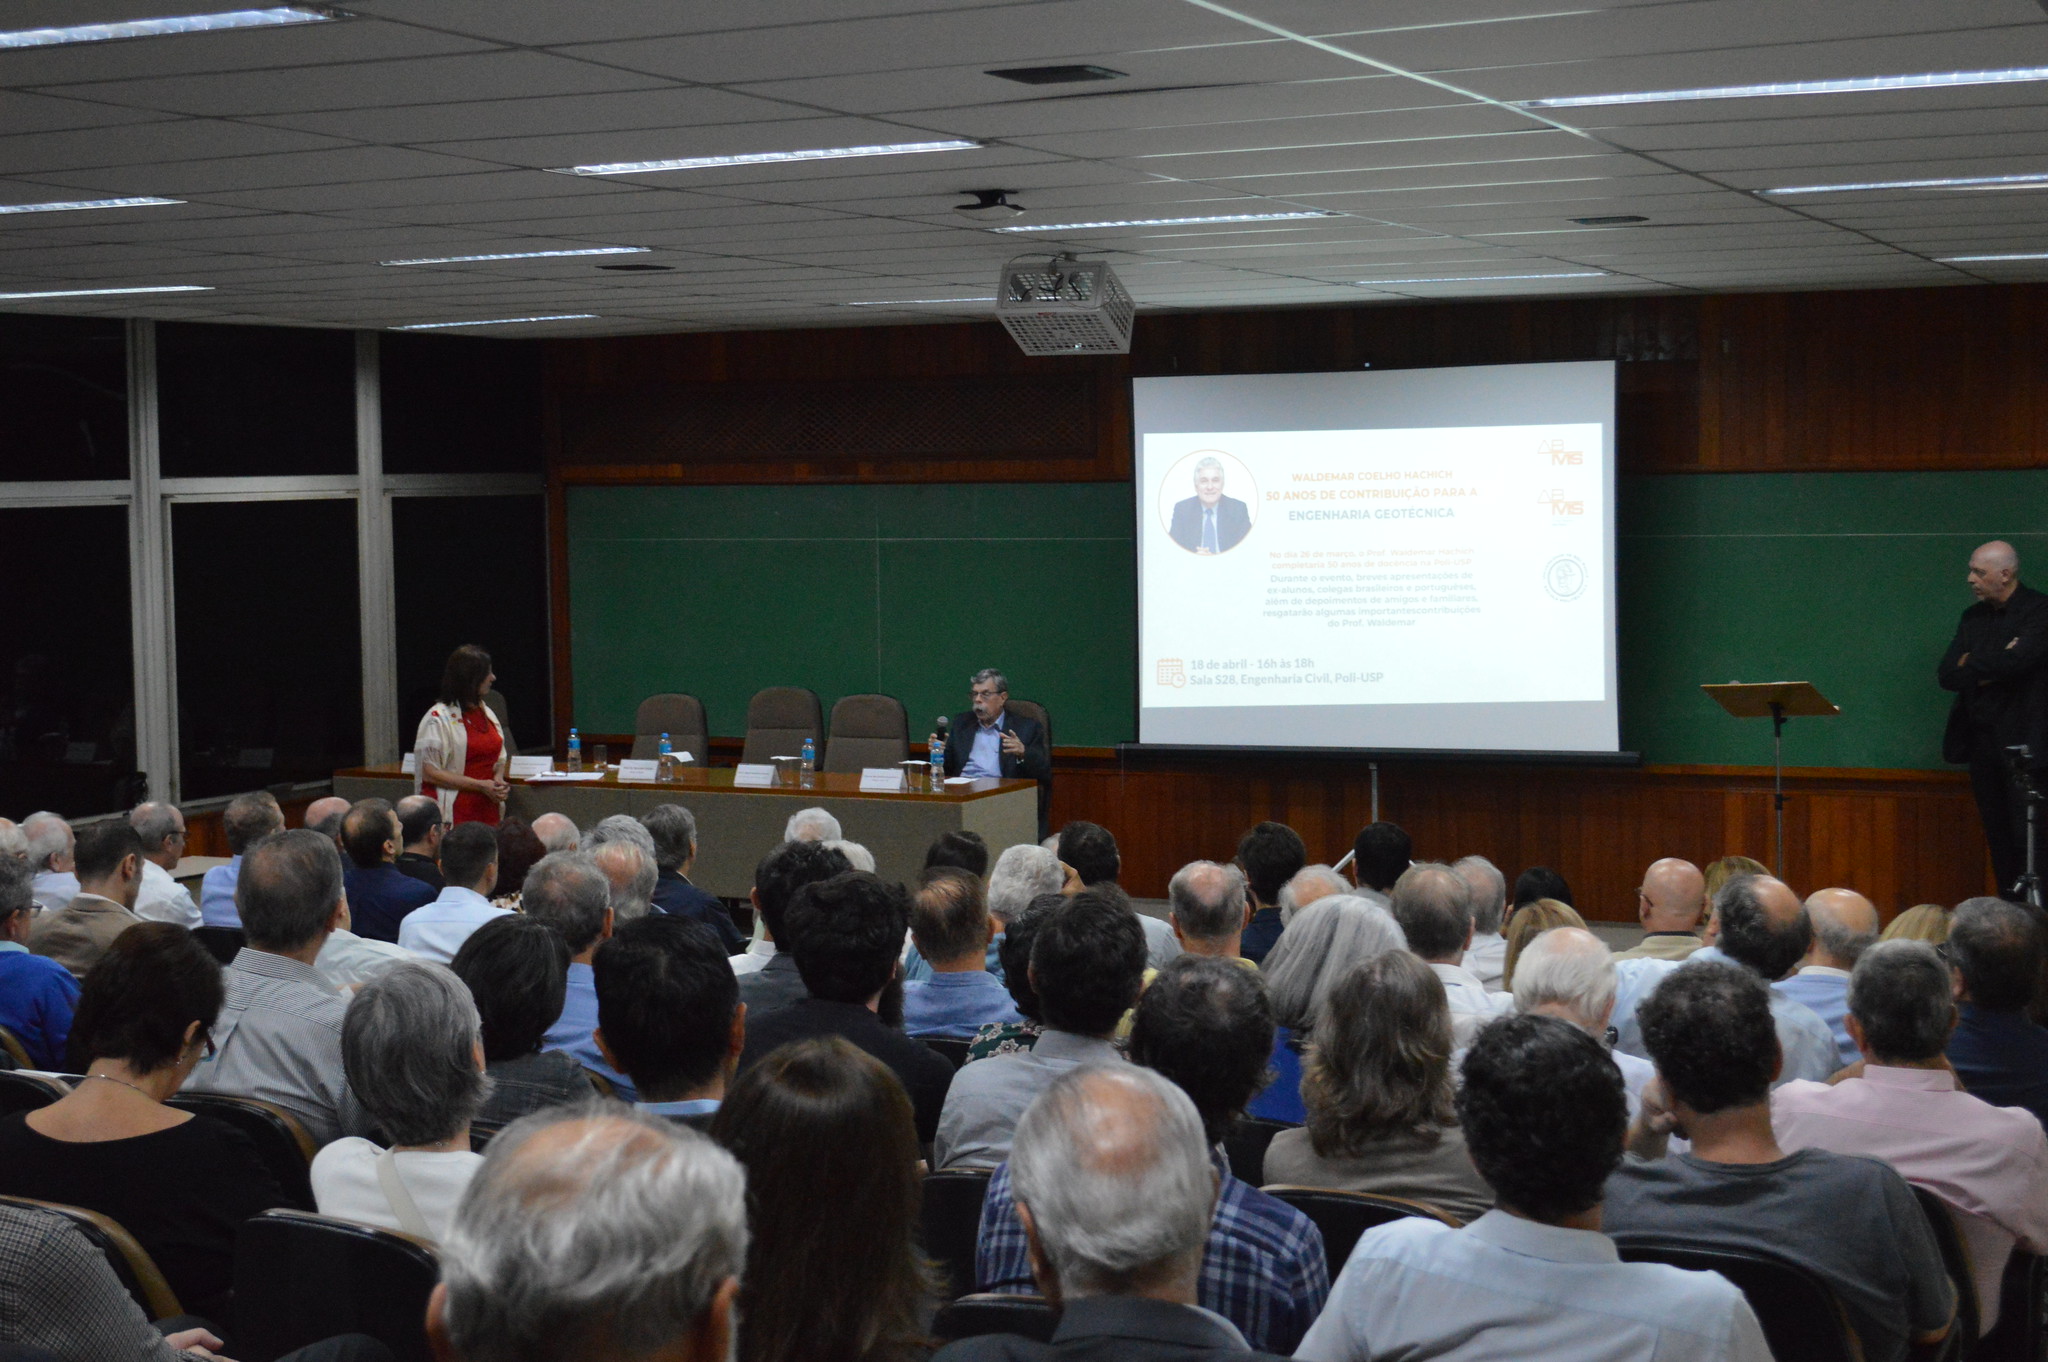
(502, 321)
(1971, 259)
(183, 23)
(914, 302)
(1480, 278)
(756, 158)
(1933, 80)
(106, 292)
(519, 255)
(1168, 222)
(2033, 180)
(76, 205)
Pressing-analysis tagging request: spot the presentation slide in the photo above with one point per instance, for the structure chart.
(1415, 560)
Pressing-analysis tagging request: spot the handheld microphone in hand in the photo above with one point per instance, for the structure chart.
(945, 727)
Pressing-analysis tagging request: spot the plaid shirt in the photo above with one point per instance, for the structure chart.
(1263, 1269)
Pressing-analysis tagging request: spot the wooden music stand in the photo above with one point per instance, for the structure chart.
(1777, 701)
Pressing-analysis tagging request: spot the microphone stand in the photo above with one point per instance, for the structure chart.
(2027, 888)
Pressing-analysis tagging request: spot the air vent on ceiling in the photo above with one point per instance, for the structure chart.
(1064, 306)
(1056, 75)
(1611, 220)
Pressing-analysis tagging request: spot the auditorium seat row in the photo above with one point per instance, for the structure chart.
(867, 730)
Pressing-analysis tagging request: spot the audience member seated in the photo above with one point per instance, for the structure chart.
(516, 968)
(324, 816)
(1087, 964)
(558, 832)
(347, 960)
(519, 851)
(669, 1015)
(1922, 922)
(161, 898)
(811, 825)
(1207, 1026)
(1091, 850)
(774, 983)
(857, 856)
(1486, 894)
(1990, 1164)
(12, 843)
(109, 860)
(1671, 904)
(618, 827)
(420, 827)
(952, 929)
(1534, 1277)
(1530, 921)
(37, 995)
(1844, 926)
(469, 862)
(181, 1184)
(414, 1052)
(1210, 908)
(247, 820)
(629, 869)
(1008, 1038)
(1021, 874)
(1380, 854)
(1377, 1087)
(674, 830)
(1116, 1189)
(380, 895)
(819, 1123)
(1541, 882)
(569, 893)
(279, 1034)
(1322, 945)
(846, 933)
(1269, 854)
(1566, 973)
(595, 1233)
(1852, 1221)
(1719, 872)
(1310, 883)
(59, 1296)
(1432, 904)
(50, 843)
(1998, 1052)
(961, 850)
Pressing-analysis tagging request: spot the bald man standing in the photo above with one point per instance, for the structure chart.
(1995, 666)
(1844, 926)
(1671, 902)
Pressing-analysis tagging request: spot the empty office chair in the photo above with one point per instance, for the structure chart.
(16, 1052)
(282, 1143)
(952, 1222)
(955, 1051)
(131, 1263)
(972, 1316)
(1031, 709)
(22, 1091)
(679, 716)
(1344, 1217)
(779, 719)
(222, 943)
(1245, 1146)
(300, 1278)
(1955, 1256)
(1798, 1311)
(867, 730)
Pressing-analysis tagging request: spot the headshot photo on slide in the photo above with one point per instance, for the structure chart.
(1208, 502)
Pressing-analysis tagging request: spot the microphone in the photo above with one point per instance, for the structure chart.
(945, 727)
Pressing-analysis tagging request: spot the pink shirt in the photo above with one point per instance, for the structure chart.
(1990, 1164)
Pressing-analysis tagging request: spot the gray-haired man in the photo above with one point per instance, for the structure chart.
(1209, 522)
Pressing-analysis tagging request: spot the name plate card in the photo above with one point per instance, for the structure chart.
(411, 764)
(645, 769)
(531, 766)
(557, 777)
(759, 773)
(881, 778)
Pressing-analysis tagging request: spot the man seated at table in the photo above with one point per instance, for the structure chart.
(990, 742)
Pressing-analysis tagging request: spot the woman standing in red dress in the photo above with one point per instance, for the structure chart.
(459, 750)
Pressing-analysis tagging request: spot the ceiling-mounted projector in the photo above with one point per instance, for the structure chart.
(1064, 306)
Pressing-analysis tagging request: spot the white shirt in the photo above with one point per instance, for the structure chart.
(1808, 1045)
(1635, 1074)
(435, 931)
(163, 899)
(754, 958)
(347, 959)
(345, 1183)
(1507, 1287)
(1487, 958)
(1471, 1005)
(1161, 945)
(54, 889)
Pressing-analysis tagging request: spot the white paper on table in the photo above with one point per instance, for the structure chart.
(753, 773)
(642, 769)
(531, 766)
(962, 780)
(411, 764)
(887, 778)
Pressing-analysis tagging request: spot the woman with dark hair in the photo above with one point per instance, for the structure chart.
(820, 1123)
(459, 751)
(1013, 949)
(181, 1184)
(517, 969)
(1377, 1086)
(518, 851)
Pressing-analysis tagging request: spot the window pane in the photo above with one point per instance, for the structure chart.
(456, 404)
(66, 668)
(270, 684)
(473, 570)
(237, 400)
(63, 399)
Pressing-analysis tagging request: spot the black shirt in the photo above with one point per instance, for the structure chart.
(182, 1192)
(924, 1073)
(1999, 691)
(421, 868)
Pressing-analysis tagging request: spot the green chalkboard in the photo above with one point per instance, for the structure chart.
(1850, 580)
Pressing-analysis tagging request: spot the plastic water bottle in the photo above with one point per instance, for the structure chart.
(575, 751)
(938, 762)
(810, 761)
(662, 762)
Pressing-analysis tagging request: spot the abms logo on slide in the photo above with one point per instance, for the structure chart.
(1559, 456)
(1562, 505)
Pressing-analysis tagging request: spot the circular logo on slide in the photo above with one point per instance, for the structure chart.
(1208, 502)
(1564, 577)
